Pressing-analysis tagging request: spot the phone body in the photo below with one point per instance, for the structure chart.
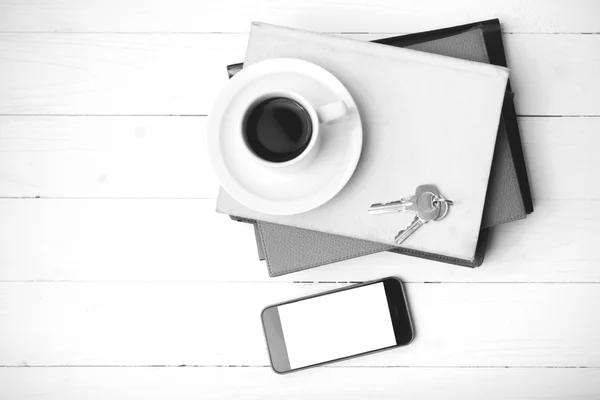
(337, 325)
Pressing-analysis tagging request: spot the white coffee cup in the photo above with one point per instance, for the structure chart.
(317, 116)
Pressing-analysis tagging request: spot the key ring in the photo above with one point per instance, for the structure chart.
(441, 201)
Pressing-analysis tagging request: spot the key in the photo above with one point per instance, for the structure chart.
(426, 197)
(429, 212)
(412, 203)
(405, 204)
(412, 228)
(427, 203)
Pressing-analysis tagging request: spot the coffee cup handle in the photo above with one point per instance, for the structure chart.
(332, 112)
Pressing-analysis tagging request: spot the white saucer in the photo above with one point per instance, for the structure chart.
(283, 191)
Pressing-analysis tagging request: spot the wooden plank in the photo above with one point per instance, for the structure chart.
(185, 240)
(166, 157)
(531, 325)
(558, 163)
(175, 74)
(535, 75)
(105, 157)
(331, 383)
(114, 74)
(537, 16)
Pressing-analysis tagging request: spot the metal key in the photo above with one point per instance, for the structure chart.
(405, 204)
(422, 199)
(428, 209)
(427, 203)
(412, 228)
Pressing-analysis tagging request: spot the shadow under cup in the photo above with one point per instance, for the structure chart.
(277, 129)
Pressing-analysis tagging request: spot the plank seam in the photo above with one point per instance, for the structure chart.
(327, 366)
(304, 282)
(206, 115)
(247, 32)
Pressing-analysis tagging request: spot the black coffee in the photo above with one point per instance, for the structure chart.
(278, 129)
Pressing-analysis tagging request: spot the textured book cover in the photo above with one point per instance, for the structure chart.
(287, 249)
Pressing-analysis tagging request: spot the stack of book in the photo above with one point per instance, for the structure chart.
(433, 114)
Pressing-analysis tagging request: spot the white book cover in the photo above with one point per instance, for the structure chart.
(427, 119)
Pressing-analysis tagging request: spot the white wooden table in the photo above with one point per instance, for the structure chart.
(118, 280)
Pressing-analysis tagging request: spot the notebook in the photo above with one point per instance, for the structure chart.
(422, 116)
(287, 249)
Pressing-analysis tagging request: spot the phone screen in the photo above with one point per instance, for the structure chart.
(337, 325)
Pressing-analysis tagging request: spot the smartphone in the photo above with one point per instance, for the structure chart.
(337, 325)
